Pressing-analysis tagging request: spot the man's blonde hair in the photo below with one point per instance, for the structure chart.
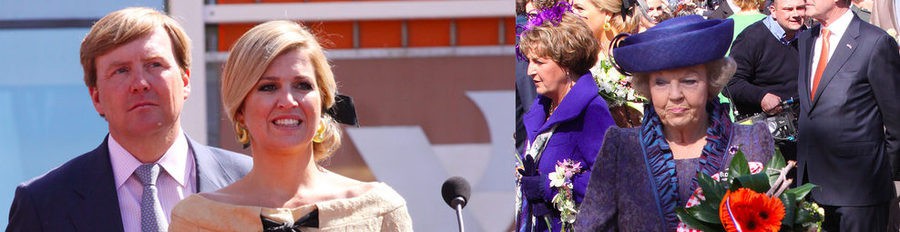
(126, 25)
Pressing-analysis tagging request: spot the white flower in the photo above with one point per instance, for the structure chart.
(614, 87)
(557, 178)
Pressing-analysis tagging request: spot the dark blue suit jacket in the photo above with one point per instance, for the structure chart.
(849, 132)
(81, 194)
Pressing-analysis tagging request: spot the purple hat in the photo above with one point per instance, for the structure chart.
(675, 43)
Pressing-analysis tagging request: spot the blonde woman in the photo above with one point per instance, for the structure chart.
(749, 14)
(656, 11)
(276, 86)
(606, 19)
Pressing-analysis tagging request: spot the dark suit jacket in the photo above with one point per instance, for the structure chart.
(721, 12)
(525, 92)
(81, 194)
(849, 132)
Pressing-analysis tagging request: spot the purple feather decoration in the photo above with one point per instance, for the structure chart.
(553, 15)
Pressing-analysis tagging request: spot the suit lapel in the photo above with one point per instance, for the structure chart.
(845, 48)
(211, 175)
(806, 54)
(97, 202)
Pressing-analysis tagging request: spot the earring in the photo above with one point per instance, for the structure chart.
(320, 132)
(607, 26)
(243, 136)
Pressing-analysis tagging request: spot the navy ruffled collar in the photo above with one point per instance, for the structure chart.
(661, 162)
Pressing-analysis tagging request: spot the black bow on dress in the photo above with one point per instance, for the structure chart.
(310, 220)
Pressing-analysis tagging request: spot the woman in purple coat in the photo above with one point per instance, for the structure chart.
(567, 121)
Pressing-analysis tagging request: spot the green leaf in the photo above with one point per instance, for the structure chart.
(790, 208)
(738, 165)
(695, 223)
(777, 161)
(705, 213)
(757, 182)
(713, 190)
(800, 192)
(806, 216)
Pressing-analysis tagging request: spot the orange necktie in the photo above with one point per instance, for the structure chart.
(823, 61)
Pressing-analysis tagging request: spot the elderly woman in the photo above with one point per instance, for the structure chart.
(566, 121)
(642, 175)
(276, 87)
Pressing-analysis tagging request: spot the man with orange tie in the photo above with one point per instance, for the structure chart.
(849, 87)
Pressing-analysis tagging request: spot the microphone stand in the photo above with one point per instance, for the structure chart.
(459, 218)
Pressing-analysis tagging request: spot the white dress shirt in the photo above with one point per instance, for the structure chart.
(176, 181)
(837, 28)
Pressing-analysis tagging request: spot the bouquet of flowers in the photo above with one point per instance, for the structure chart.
(750, 197)
(563, 201)
(614, 87)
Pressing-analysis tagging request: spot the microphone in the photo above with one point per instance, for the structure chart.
(456, 191)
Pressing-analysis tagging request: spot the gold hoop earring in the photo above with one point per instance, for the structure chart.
(320, 132)
(243, 136)
(607, 27)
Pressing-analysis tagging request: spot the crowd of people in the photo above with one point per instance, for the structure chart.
(703, 79)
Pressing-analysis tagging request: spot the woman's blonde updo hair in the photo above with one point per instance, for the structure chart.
(569, 43)
(614, 9)
(748, 5)
(251, 56)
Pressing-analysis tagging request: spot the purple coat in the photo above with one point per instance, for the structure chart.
(583, 118)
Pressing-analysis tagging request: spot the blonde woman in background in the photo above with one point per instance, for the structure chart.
(276, 86)
(749, 14)
(655, 11)
(606, 19)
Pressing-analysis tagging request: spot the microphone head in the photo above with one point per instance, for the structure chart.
(453, 188)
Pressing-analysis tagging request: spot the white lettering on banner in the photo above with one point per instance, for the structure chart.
(403, 157)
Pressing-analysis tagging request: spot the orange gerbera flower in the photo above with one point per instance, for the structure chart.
(750, 211)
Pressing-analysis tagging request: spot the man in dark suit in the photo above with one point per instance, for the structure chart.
(136, 67)
(849, 117)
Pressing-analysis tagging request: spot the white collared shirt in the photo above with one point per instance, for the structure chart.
(837, 28)
(176, 181)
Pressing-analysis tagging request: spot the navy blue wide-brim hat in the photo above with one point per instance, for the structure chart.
(675, 43)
